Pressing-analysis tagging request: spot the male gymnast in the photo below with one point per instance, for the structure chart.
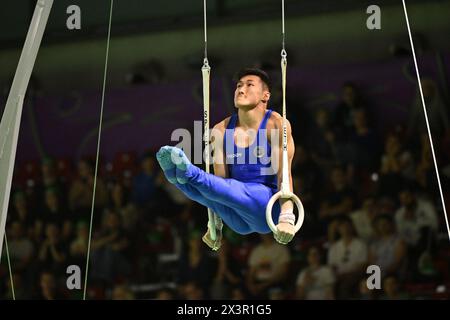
(244, 176)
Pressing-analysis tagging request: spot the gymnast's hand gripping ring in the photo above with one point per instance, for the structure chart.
(285, 195)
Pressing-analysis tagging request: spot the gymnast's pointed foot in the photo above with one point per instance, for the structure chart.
(182, 163)
(164, 157)
(213, 244)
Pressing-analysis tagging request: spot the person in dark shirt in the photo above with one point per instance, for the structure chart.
(54, 211)
(110, 246)
(195, 265)
(20, 212)
(363, 147)
(53, 251)
(344, 111)
(340, 201)
(48, 288)
(144, 183)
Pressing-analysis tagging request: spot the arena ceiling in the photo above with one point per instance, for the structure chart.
(137, 16)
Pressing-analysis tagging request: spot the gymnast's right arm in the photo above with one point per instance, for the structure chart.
(219, 160)
(220, 170)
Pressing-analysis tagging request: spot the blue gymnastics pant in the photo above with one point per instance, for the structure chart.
(242, 206)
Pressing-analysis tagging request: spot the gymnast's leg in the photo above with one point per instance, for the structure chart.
(248, 200)
(230, 192)
(229, 215)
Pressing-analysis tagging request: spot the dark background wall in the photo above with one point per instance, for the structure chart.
(318, 32)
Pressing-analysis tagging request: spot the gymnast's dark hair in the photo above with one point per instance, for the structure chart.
(254, 72)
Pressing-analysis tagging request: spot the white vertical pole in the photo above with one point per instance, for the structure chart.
(10, 124)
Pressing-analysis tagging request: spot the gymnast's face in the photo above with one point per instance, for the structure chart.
(250, 91)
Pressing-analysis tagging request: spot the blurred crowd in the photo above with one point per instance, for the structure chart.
(371, 198)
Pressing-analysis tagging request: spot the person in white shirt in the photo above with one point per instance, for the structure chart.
(348, 258)
(413, 217)
(316, 281)
(387, 250)
(363, 218)
(269, 266)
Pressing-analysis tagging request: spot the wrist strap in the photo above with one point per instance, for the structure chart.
(287, 217)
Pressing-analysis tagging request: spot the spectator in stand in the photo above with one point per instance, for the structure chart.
(21, 249)
(21, 212)
(81, 190)
(309, 176)
(48, 287)
(78, 246)
(269, 264)
(316, 281)
(195, 266)
(323, 141)
(437, 111)
(362, 146)
(348, 258)
(54, 210)
(175, 204)
(396, 165)
(37, 233)
(228, 274)
(363, 217)
(340, 201)
(50, 179)
(144, 182)
(425, 174)
(67, 232)
(387, 250)
(53, 252)
(311, 224)
(417, 224)
(109, 250)
(120, 203)
(344, 112)
(416, 218)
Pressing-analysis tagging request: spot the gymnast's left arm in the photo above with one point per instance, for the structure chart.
(287, 206)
